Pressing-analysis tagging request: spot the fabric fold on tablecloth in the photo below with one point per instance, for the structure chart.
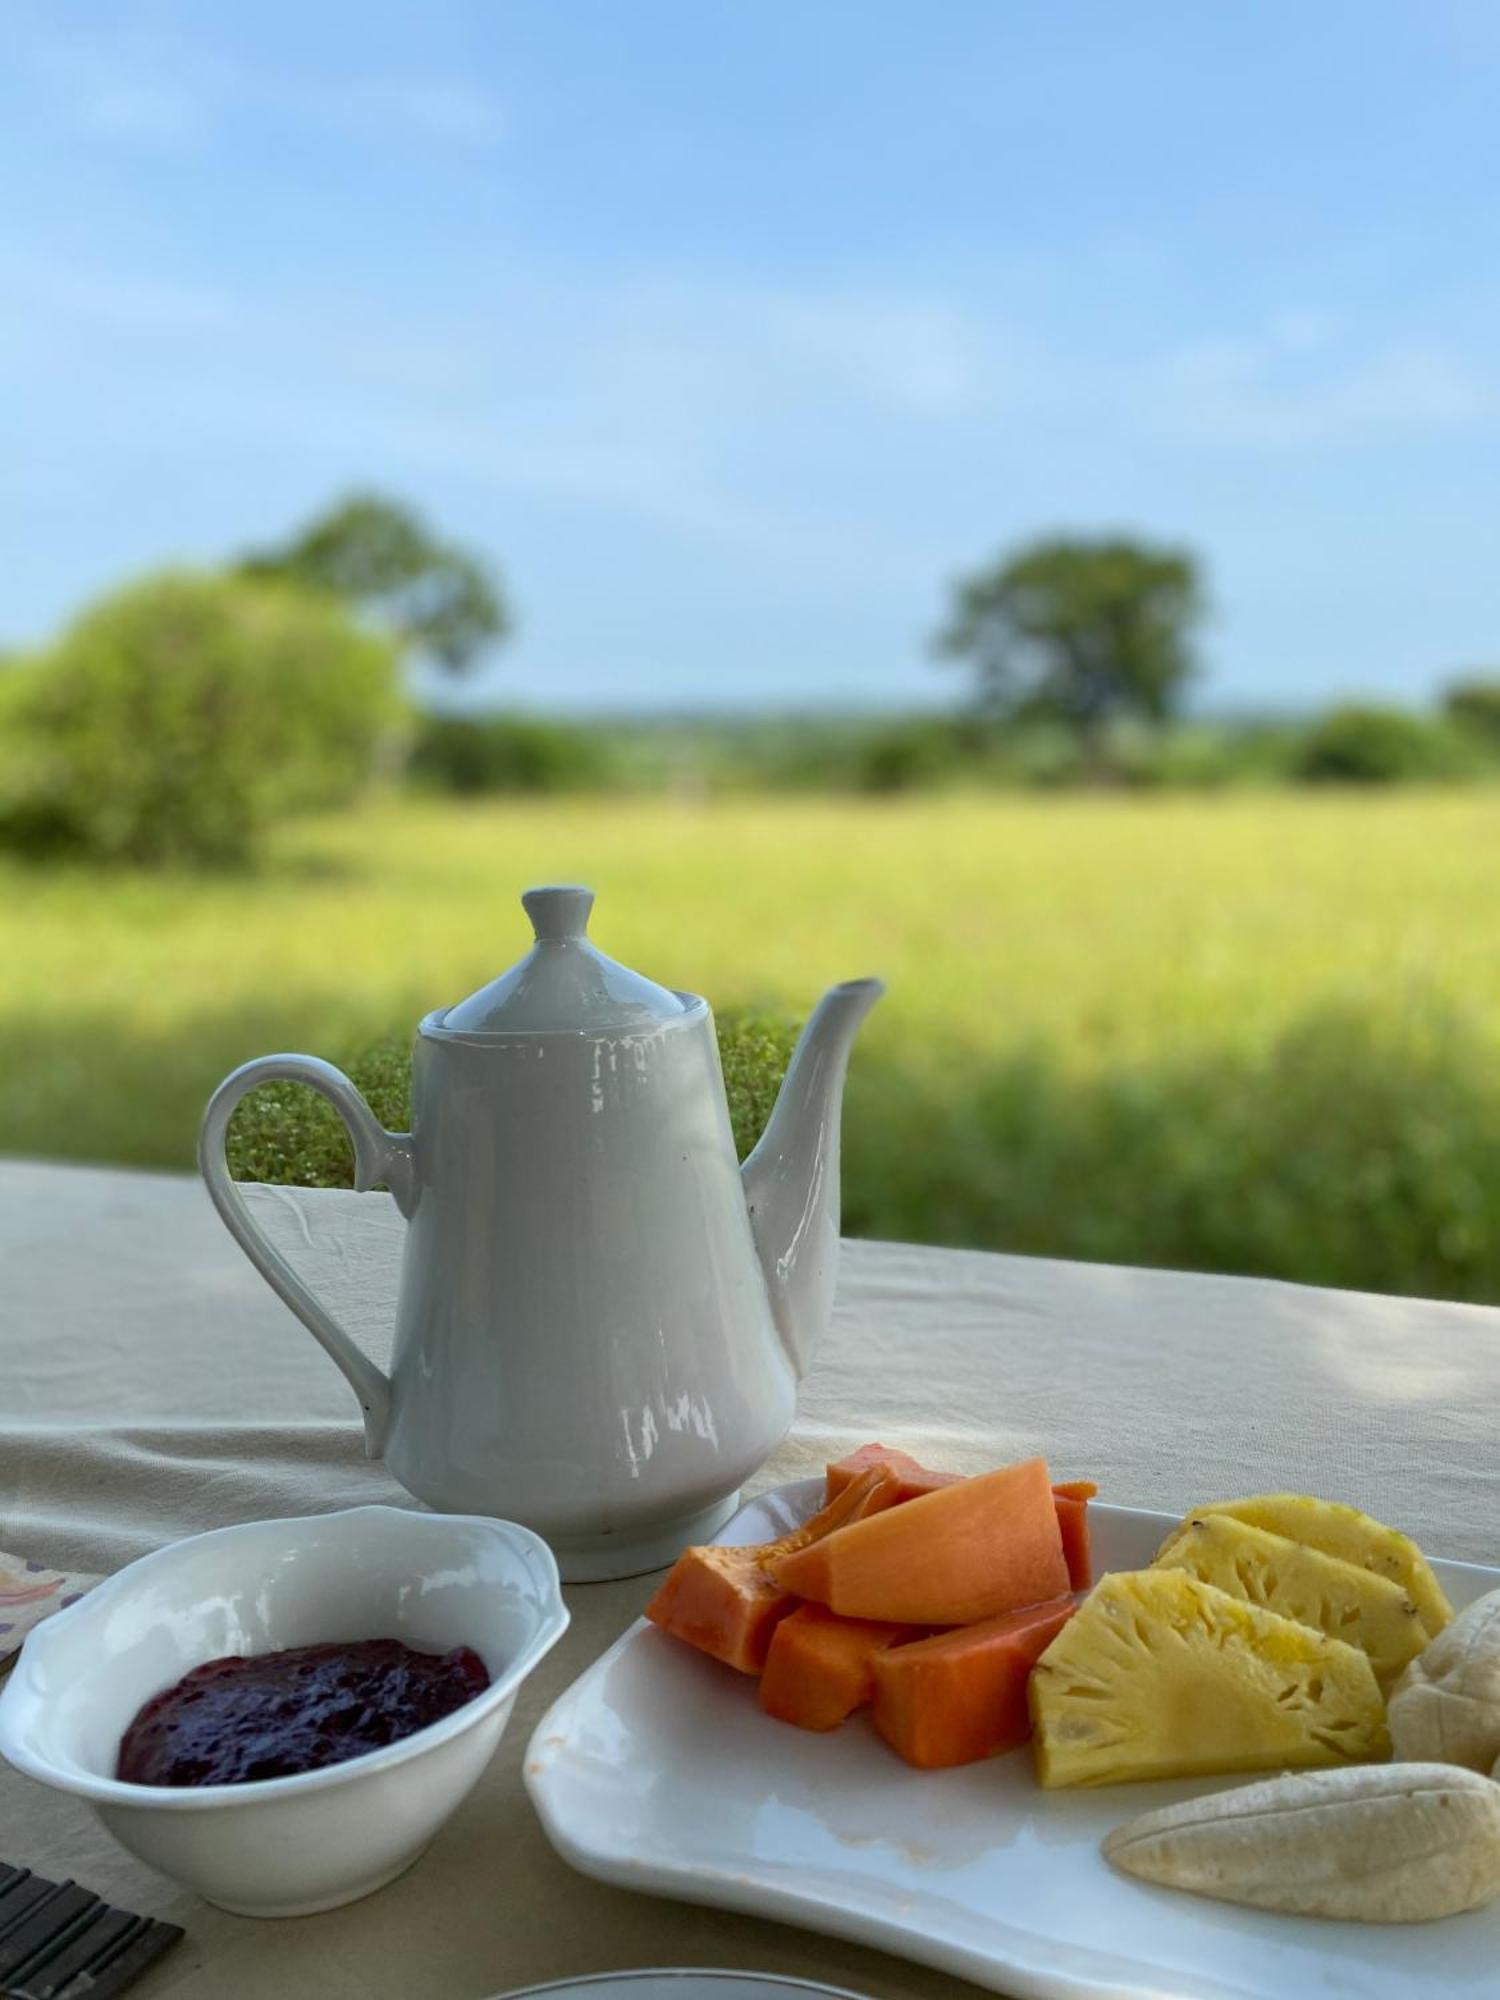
(99, 1497)
(151, 1385)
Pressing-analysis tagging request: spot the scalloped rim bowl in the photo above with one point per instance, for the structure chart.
(282, 1847)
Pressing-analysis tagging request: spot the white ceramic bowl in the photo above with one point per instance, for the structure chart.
(282, 1847)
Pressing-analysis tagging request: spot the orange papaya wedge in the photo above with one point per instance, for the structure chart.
(821, 1667)
(913, 1478)
(949, 1557)
(725, 1602)
(960, 1696)
(1072, 1503)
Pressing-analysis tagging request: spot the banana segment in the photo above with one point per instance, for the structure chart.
(1446, 1705)
(1386, 1844)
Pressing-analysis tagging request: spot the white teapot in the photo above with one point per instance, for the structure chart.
(602, 1318)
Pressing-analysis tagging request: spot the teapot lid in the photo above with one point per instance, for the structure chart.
(564, 982)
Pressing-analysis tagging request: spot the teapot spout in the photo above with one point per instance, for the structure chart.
(792, 1178)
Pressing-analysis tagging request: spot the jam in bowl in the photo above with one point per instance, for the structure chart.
(238, 1720)
(285, 1845)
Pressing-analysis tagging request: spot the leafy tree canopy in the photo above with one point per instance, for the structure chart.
(177, 719)
(1079, 631)
(381, 557)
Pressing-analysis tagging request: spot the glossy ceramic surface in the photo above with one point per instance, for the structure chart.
(602, 1320)
(565, 984)
(600, 1357)
(657, 1771)
(286, 1846)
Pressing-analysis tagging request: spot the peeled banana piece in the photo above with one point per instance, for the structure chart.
(1446, 1704)
(1384, 1844)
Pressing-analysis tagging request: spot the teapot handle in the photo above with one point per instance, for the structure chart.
(379, 1156)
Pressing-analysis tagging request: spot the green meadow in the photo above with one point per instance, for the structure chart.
(1247, 1032)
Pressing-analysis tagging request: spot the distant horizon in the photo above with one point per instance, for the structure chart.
(731, 714)
(484, 691)
(733, 336)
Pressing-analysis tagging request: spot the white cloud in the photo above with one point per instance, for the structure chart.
(678, 346)
(443, 108)
(917, 356)
(1303, 330)
(129, 88)
(41, 293)
(1268, 392)
(107, 93)
(810, 433)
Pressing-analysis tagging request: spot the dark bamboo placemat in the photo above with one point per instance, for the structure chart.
(61, 1942)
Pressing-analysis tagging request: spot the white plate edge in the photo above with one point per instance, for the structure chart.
(715, 1888)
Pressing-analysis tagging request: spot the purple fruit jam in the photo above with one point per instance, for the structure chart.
(234, 1720)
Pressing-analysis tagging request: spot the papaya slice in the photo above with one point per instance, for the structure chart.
(913, 1478)
(821, 1667)
(951, 1557)
(960, 1696)
(724, 1600)
(1071, 1500)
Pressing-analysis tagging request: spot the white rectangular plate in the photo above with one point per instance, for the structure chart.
(657, 1771)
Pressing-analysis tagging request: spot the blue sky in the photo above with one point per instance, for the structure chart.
(734, 332)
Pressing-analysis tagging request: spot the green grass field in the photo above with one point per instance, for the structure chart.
(1257, 1033)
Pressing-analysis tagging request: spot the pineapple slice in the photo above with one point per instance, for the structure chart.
(1337, 1597)
(1336, 1530)
(1160, 1676)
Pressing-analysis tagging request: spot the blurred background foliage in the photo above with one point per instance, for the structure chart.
(1245, 1030)
(1166, 987)
(1350, 1150)
(287, 1135)
(181, 716)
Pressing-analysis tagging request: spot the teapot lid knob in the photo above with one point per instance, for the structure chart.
(558, 912)
(565, 984)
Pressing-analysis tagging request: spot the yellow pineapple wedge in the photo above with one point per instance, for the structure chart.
(1336, 1530)
(1337, 1597)
(1157, 1675)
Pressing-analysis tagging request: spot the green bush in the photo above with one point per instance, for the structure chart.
(473, 755)
(1359, 745)
(288, 1135)
(1346, 1151)
(1204, 757)
(1039, 756)
(1474, 705)
(177, 719)
(1350, 1150)
(754, 1050)
(906, 756)
(26, 823)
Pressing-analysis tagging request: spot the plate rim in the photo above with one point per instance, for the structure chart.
(621, 1974)
(717, 1887)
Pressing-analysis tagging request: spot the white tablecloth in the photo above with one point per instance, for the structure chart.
(151, 1386)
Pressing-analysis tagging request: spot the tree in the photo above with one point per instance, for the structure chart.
(1079, 631)
(381, 557)
(178, 718)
